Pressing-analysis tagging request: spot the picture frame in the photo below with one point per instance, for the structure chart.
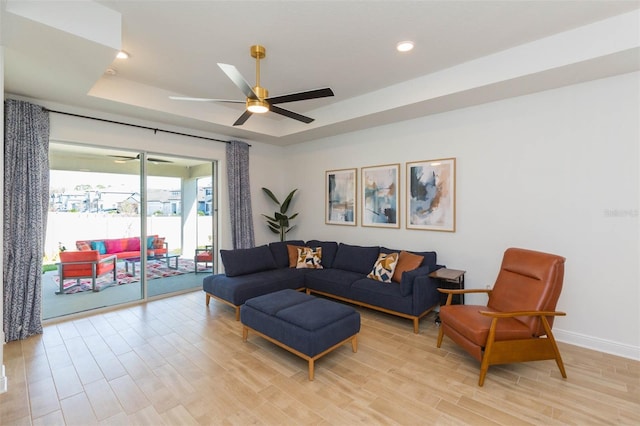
(340, 197)
(431, 195)
(380, 196)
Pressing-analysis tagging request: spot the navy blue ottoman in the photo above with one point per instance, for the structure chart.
(304, 325)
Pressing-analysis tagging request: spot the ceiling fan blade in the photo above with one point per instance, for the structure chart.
(244, 117)
(158, 160)
(290, 114)
(301, 96)
(182, 98)
(237, 78)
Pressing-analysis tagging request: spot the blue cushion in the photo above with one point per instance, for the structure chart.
(237, 290)
(150, 241)
(314, 314)
(356, 258)
(247, 261)
(280, 253)
(278, 300)
(329, 249)
(99, 245)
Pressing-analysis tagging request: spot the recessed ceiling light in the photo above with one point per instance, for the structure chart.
(122, 55)
(404, 46)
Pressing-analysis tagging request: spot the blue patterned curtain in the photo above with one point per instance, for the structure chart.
(26, 202)
(239, 195)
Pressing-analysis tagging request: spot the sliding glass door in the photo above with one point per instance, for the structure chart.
(143, 215)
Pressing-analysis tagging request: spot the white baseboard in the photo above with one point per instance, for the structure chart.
(3, 380)
(597, 344)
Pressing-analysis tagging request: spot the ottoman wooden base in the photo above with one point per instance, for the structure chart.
(304, 325)
(353, 339)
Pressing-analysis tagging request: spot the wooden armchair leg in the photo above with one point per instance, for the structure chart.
(554, 345)
(440, 336)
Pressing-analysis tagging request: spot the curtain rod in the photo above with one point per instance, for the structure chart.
(155, 130)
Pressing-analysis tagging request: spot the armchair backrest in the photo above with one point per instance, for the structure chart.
(528, 281)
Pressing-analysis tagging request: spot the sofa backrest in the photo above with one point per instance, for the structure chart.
(356, 258)
(117, 245)
(280, 252)
(329, 250)
(247, 261)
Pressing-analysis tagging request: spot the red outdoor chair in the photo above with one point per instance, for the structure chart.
(205, 256)
(85, 264)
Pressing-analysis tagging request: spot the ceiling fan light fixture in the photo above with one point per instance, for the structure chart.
(257, 106)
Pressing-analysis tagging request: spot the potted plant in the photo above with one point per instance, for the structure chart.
(279, 223)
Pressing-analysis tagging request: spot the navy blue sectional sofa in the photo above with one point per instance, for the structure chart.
(257, 271)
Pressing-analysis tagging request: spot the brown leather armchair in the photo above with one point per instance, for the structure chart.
(515, 325)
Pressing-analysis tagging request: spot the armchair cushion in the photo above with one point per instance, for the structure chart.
(204, 255)
(466, 320)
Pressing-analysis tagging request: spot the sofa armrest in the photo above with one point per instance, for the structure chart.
(425, 293)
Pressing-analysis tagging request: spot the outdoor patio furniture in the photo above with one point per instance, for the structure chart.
(85, 264)
(205, 256)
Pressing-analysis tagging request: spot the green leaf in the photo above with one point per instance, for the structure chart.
(270, 194)
(285, 205)
(274, 230)
(273, 219)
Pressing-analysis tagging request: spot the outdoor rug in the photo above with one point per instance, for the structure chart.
(155, 269)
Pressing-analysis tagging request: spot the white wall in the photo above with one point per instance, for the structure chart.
(555, 171)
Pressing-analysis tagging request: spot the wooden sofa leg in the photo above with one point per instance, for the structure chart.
(208, 299)
(237, 313)
(416, 325)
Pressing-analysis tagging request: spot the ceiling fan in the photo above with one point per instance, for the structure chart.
(124, 159)
(258, 100)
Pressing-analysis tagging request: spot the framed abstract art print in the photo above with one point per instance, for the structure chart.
(380, 196)
(340, 205)
(431, 195)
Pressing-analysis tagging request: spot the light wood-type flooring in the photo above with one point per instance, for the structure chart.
(175, 361)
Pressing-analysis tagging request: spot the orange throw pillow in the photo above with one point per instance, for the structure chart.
(293, 255)
(406, 262)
